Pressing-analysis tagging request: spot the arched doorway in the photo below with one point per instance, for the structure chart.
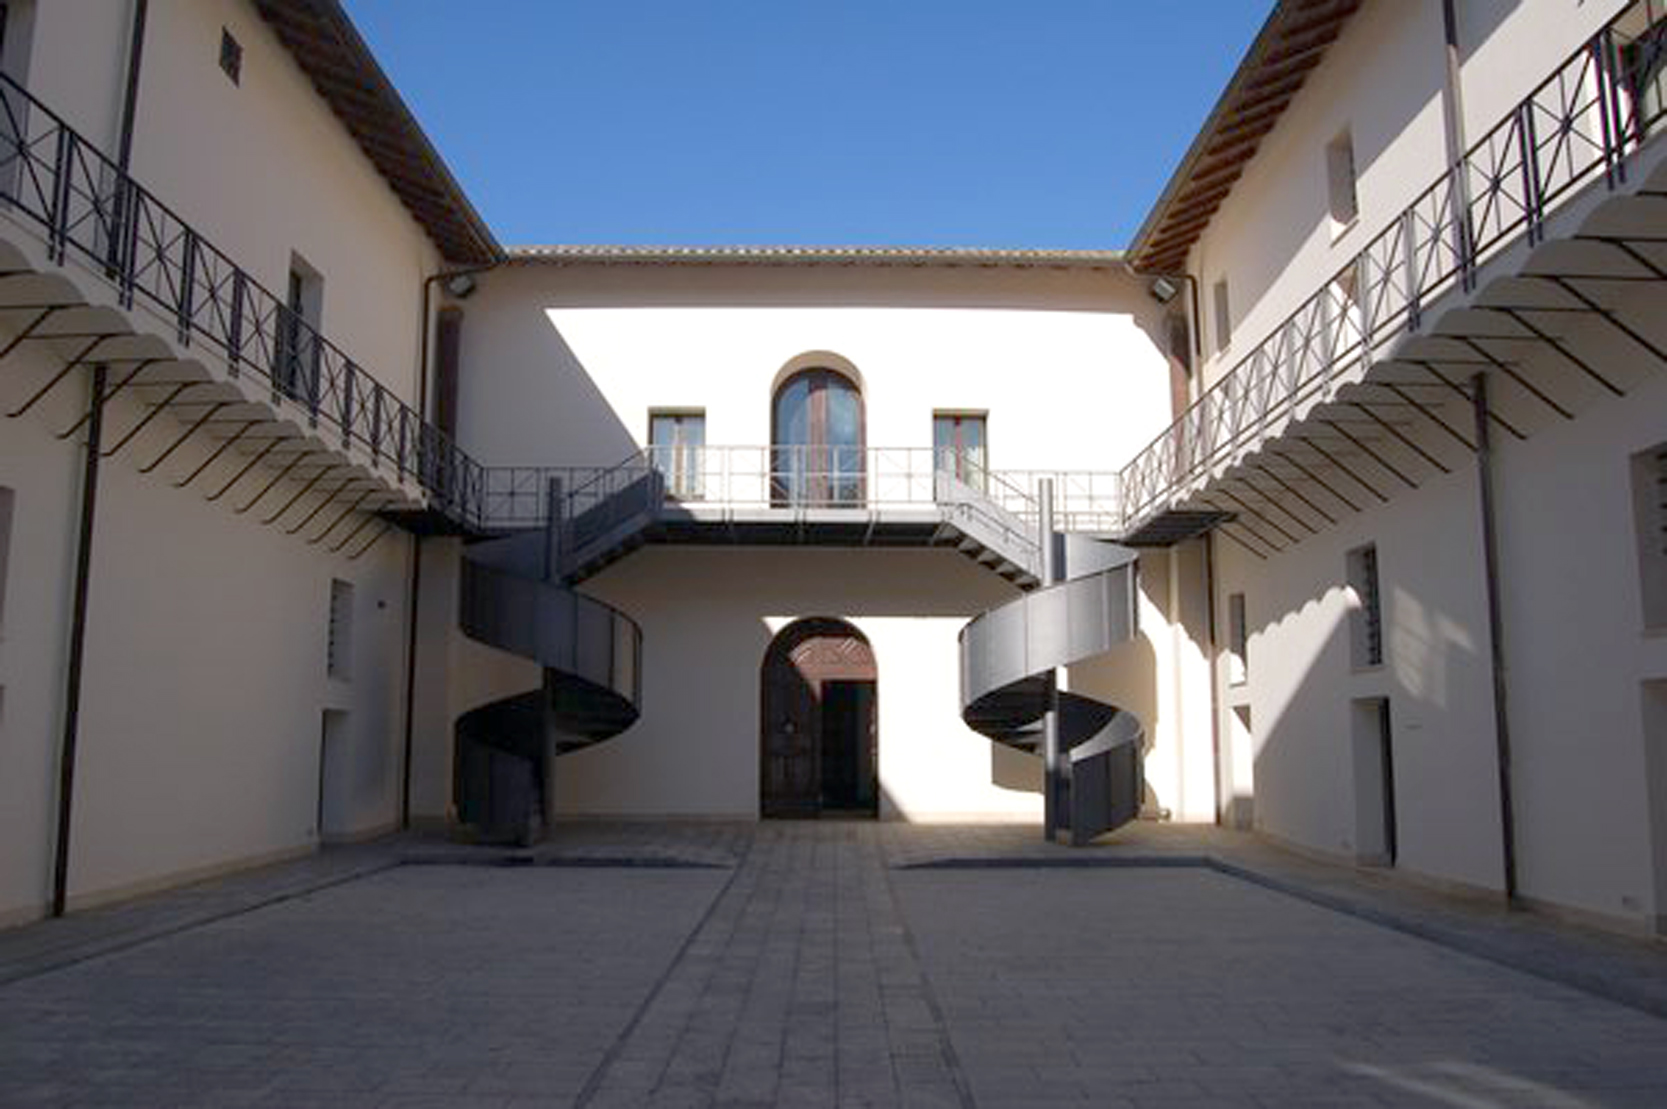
(818, 750)
(816, 439)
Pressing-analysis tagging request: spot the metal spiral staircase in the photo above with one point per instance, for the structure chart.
(515, 597)
(1010, 656)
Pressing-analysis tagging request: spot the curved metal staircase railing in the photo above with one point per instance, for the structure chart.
(591, 653)
(1009, 690)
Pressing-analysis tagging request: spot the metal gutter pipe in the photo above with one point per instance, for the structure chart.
(77, 643)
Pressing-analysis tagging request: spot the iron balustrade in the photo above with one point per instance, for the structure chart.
(795, 479)
(86, 206)
(1584, 119)
(1084, 500)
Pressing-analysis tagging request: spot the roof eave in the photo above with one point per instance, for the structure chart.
(1324, 19)
(334, 56)
(917, 257)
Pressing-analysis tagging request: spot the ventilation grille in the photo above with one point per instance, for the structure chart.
(1367, 620)
(338, 659)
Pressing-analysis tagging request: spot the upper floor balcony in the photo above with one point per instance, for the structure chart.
(1548, 230)
(217, 378)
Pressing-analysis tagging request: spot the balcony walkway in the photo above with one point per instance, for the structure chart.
(1526, 265)
(826, 964)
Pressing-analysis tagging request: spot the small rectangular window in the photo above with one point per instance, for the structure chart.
(231, 56)
(960, 447)
(677, 444)
(1238, 641)
(338, 660)
(1224, 315)
(1366, 620)
(1649, 494)
(1340, 181)
(297, 351)
(1180, 341)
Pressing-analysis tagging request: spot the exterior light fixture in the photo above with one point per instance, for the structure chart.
(1163, 290)
(460, 285)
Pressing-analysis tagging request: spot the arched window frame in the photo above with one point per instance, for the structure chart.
(818, 473)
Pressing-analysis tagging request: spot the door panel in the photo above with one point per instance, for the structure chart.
(816, 742)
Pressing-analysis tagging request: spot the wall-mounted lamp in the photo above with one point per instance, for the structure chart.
(1163, 290)
(460, 285)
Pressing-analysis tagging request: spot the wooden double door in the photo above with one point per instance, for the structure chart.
(818, 735)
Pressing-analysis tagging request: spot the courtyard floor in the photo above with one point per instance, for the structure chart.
(831, 964)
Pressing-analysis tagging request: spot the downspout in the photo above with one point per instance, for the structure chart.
(1496, 639)
(1452, 102)
(412, 614)
(1208, 543)
(89, 510)
(1452, 105)
(130, 103)
(77, 642)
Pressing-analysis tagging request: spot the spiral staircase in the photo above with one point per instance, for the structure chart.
(1010, 657)
(516, 597)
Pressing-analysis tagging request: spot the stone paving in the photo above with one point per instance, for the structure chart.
(833, 964)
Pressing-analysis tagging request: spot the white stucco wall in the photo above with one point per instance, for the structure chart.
(708, 616)
(561, 367)
(204, 682)
(1578, 658)
(1383, 80)
(261, 169)
(1273, 239)
(1435, 674)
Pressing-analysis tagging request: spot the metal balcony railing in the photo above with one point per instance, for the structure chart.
(798, 480)
(84, 205)
(1584, 119)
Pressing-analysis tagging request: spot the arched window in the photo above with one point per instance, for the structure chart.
(816, 440)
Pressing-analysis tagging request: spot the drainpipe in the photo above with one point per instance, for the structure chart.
(130, 102)
(1452, 109)
(1207, 544)
(1452, 116)
(77, 642)
(411, 615)
(1452, 103)
(1496, 639)
(89, 510)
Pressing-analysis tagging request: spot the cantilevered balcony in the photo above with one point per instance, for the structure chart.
(202, 369)
(1548, 237)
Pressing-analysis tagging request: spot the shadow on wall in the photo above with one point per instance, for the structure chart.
(1310, 769)
(526, 397)
(708, 616)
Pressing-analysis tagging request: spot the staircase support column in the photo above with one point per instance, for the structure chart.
(1054, 818)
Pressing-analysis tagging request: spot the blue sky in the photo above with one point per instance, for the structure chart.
(1052, 123)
